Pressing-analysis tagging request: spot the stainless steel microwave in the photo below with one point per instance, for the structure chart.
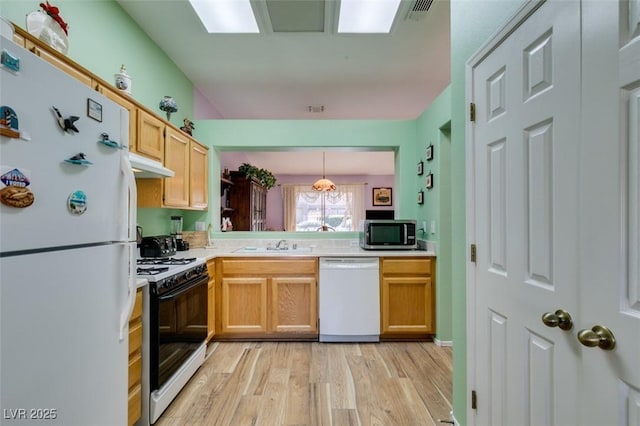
(388, 234)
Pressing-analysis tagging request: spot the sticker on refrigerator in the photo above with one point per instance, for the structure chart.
(80, 159)
(66, 124)
(10, 61)
(8, 122)
(15, 191)
(77, 202)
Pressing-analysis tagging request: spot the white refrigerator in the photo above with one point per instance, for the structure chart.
(67, 247)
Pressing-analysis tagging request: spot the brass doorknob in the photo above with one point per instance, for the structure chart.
(599, 336)
(560, 319)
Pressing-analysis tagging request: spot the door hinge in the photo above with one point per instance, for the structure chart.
(474, 400)
(473, 253)
(472, 112)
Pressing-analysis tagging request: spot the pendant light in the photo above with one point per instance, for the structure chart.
(324, 184)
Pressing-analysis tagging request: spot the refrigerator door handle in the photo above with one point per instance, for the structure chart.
(125, 316)
(131, 195)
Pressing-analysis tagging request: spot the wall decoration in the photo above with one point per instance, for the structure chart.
(123, 80)
(94, 110)
(382, 197)
(168, 105)
(420, 168)
(429, 181)
(188, 126)
(420, 197)
(429, 153)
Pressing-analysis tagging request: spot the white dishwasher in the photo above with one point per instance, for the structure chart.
(349, 299)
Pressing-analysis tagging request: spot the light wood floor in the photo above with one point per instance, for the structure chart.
(288, 383)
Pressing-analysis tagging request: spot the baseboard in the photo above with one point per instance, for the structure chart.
(442, 342)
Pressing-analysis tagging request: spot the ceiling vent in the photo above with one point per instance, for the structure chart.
(419, 9)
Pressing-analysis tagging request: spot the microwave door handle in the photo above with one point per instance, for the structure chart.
(406, 233)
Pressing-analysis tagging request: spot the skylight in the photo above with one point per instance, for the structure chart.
(226, 16)
(356, 16)
(367, 16)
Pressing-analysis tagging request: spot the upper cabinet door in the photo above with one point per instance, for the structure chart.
(199, 176)
(176, 188)
(150, 141)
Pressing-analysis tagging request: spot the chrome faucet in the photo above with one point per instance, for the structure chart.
(286, 246)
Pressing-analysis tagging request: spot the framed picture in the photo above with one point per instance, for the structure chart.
(420, 197)
(429, 181)
(429, 153)
(382, 197)
(420, 168)
(94, 110)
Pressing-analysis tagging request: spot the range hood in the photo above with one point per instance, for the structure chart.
(144, 167)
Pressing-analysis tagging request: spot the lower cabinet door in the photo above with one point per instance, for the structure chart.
(244, 305)
(294, 305)
(407, 305)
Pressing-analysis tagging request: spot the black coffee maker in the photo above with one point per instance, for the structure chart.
(176, 232)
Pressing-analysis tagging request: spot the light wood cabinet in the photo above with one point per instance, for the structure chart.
(407, 297)
(187, 189)
(211, 299)
(176, 153)
(198, 176)
(270, 298)
(59, 63)
(135, 361)
(18, 39)
(150, 136)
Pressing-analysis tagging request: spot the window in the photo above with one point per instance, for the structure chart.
(308, 210)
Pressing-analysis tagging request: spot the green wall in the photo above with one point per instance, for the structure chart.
(433, 128)
(472, 23)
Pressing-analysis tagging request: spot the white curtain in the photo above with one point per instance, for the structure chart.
(352, 194)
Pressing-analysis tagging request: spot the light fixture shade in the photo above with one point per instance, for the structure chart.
(323, 185)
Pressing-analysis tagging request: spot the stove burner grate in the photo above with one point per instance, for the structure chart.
(165, 261)
(152, 271)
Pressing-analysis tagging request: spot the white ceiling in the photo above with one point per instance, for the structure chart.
(280, 72)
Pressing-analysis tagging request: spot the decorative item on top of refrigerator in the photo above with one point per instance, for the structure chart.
(67, 246)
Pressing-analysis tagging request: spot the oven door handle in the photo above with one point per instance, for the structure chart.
(183, 289)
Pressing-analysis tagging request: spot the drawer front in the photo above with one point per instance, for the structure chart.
(135, 405)
(135, 337)
(244, 266)
(413, 265)
(135, 370)
(137, 307)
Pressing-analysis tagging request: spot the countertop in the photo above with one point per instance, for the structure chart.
(313, 248)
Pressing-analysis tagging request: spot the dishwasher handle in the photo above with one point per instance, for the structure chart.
(349, 263)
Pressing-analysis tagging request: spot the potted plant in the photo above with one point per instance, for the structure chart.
(265, 177)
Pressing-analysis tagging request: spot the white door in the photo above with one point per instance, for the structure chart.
(549, 218)
(610, 211)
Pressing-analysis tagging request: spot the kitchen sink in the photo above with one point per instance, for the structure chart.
(252, 249)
